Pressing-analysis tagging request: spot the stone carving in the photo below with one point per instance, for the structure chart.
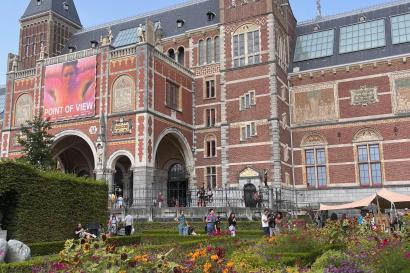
(286, 152)
(318, 9)
(314, 106)
(284, 121)
(287, 178)
(141, 33)
(364, 96)
(312, 140)
(248, 172)
(122, 95)
(402, 91)
(366, 135)
(24, 110)
(3, 250)
(17, 252)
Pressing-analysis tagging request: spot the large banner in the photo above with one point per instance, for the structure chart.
(69, 91)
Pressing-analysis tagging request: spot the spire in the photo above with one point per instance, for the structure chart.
(64, 8)
(318, 9)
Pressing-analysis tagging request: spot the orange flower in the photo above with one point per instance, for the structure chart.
(214, 258)
(207, 267)
(229, 264)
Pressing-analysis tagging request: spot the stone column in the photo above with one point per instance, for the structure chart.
(109, 177)
(143, 178)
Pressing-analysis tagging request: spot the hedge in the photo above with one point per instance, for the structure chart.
(46, 206)
(26, 267)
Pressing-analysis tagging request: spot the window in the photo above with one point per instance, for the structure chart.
(246, 48)
(316, 174)
(209, 51)
(27, 46)
(210, 117)
(201, 52)
(400, 28)
(171, 53)
(210, 89)
(368, 156)
(173, 96)
(126, 37)
(211, 177)
(314, 45)
(181, 55)
(247, 100)
(362, 36)
(210, 146)
(217, 48)
(248, 131)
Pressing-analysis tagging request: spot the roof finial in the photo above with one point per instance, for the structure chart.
(318, 9)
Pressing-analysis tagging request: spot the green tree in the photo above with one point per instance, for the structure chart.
(37, 142)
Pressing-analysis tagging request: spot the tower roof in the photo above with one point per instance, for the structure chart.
(65, 8)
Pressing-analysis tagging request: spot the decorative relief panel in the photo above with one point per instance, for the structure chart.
(364, 96)
(314, 105)
(122, 95)
(367, 135)
(248, 172)
(23, 110)
(402, 94)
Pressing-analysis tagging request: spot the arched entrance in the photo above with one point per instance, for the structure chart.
(123, 180)
(249, 192)
(74, 155)
(173, 168)
(177, 186)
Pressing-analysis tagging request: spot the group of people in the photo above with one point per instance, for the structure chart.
(117, 201)
(114, 225)
(271, 222)
(204, 197)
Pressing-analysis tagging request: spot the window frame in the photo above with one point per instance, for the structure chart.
(177, 99)
(369, 163)
(217, 49)
(211, 177)
(210, 147)
(316, 166)
(391, 29)
(316, 57)
(210, 117)
(206, 91)
(248, 131)
(247, 100)
(246, 30)
(201, 52)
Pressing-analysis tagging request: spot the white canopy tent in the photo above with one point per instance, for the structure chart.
(384, 199)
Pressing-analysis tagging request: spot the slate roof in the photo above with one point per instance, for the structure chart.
(194, 14)
(335, 22)
(2, 100)
(55, 6)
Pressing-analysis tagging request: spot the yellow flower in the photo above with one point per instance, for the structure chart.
(229, 264)
(226, 270)
(214, 258)
(207, 267)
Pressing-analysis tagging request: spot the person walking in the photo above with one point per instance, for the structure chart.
(210, 222)
(113, 224)
(265, 222)
(232, 224)
(129, 220)
(120, 202)
(278, 223)
(182, 227)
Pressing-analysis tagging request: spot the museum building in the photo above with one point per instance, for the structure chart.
(220, 94)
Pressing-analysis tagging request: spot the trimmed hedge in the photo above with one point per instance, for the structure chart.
(46, 206)
(26, 267)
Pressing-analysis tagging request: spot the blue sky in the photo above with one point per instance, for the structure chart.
(93, 12)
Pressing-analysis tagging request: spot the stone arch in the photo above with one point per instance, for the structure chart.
(187, 153)
(171, 53)
(313, 139)
(248, 27)
(122, 94)
(367, 134)
(181, 55)
(114, 157)
(81, 135)
(23, 109)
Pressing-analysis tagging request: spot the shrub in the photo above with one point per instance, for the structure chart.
(28, 266)
(330, 257)
(46, 206)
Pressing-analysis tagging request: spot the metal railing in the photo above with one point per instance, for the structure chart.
(217, 198)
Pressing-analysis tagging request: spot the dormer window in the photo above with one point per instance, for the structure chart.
(94, 44)
(180, 23)
(211, 15)
(65, 5)
(71, 49)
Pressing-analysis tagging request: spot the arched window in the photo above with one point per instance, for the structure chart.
(314, 157)
(23, 111)
(171, 53)
(210, 146)
(209, 51)
(201, 52)
(246, 45)
(217, 48)
(181, 55)
(123, 95)
(368, 153)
